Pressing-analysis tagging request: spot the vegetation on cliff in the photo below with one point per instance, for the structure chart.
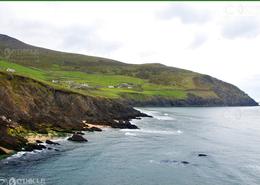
(145, 84)
(30, 107)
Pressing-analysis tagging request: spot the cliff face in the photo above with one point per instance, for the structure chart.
(226, 95)
(38, 107)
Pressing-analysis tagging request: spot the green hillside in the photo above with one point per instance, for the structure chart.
(97, 76)
(98, 84)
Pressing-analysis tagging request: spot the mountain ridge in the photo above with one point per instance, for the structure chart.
(152, 82)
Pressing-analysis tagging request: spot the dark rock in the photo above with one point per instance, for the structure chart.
(38, 141)
(79, 133)
(57, 150)
(202, 155)
(49, 148)
(49, 142)
(87, 129)
(131, 126)
(168, 161)
(30, 147)
(185, 162)
(77, 138)
(96, 129)
(123, 124)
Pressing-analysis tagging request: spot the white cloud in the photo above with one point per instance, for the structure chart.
(243, 26)
(199, 40)
(186, 13)
(212, 38)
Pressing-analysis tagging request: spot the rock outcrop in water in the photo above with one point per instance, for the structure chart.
(29, 105)
(77, 138)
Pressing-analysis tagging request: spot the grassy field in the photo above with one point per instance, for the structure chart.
(104, 85)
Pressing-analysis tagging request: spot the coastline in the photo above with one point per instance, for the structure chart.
(38, 141)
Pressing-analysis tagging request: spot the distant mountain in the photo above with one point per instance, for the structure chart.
(137, 85)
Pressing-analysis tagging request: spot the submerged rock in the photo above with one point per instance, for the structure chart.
(77, 138)
(185, 162)
(49, 142)
(131, 126)
(168, 161)
(202, 155)
(96, 129)
(38, 141)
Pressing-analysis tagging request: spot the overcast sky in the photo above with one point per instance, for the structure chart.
(221, 39)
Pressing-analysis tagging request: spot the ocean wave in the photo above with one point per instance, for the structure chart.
(19, 155)
(165, 118)
(130, 134)
(149, 112)
(146, 131)
(157, 115)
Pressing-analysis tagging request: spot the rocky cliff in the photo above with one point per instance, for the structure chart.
(225, 95)
(38, 107)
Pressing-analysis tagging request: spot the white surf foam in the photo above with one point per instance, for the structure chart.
(17, 155)
(146, 131)
(164, 118)
(130, 134)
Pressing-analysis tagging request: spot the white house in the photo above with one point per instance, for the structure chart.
(10, 70)
(55, 81)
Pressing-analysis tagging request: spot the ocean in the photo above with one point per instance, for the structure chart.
(164, 151)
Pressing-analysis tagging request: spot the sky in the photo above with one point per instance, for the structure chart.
(221, 39)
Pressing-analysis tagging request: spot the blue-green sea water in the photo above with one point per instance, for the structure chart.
(154, 155)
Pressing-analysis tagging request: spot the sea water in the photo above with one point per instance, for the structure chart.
(164, 151)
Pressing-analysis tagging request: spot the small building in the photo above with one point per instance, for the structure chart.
(84, 85)
(10, 70)
(55, 81)
(111, 87)
(125, 85)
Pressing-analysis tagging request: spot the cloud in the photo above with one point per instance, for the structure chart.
(251, 86)
(186, 14)
(198, 40)
(241, 27)
(73, 37)
(85, 38)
